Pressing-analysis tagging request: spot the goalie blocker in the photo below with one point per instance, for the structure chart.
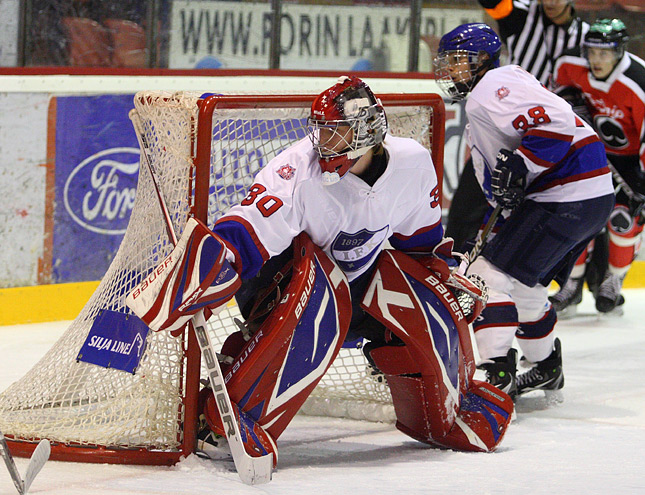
(193, 277)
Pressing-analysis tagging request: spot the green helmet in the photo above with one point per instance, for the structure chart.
(607, 33)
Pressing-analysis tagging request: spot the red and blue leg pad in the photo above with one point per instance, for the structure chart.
(430, 377)
(275, 371)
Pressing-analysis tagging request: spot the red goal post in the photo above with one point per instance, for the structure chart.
(206, 151)
(436, 127)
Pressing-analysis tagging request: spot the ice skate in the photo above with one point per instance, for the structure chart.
(210, 445)
(500, 372)
(545, 375)
(609, 297)
(566, 300)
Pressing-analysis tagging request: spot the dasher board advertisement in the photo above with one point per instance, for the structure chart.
(313, 37)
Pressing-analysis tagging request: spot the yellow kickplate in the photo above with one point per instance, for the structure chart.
(44, 302)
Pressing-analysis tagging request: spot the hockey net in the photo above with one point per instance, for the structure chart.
(206, 151)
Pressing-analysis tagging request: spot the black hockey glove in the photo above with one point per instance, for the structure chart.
(575, 98)
(508, 179)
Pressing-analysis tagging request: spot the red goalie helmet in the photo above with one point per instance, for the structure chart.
(346, 121)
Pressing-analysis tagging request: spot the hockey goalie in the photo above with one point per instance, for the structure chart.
(305, 256)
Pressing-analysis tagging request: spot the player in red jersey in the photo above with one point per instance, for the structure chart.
(612, 83)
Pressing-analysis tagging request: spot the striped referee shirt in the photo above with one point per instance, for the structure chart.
(532, 40)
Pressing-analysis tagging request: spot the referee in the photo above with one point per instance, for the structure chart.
(535, 33)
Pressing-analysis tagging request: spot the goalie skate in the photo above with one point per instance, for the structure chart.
(210, 445)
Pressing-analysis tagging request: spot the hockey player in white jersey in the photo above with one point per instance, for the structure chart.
(547, 169)
(309, 243)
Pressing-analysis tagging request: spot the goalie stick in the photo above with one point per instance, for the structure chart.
(36, 463)
(252, 470)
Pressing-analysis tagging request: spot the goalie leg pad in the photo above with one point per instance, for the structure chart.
(257, 442)
(279, 366)
(193, 277)
(483, 419)
(480, 423)
(417, 307)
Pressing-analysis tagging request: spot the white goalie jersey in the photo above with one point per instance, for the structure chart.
(349, 220)
(510, 109)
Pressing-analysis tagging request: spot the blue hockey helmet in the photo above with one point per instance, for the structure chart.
(464, 55)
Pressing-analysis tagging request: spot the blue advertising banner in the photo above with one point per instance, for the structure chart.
(116, 340)
(97, 166)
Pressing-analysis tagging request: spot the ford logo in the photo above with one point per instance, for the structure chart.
(99, 193)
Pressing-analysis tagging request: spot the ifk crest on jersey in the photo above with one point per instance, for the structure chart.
(502, 92)
(353, 251)
(286, 172)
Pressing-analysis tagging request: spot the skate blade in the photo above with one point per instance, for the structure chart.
(568, 313)
(617, 312)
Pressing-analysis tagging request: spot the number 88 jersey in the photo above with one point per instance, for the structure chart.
(510, 109)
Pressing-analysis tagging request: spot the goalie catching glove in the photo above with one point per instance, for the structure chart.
(508, 180)
(194, 276)
(450, 267)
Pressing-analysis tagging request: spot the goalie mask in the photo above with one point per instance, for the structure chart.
(346, 121)
(464, 55)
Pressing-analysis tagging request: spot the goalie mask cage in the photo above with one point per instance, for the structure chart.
(206, 151)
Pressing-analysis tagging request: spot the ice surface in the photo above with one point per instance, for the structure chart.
(592, 443)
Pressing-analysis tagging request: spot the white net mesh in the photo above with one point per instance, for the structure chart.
(66, 400)
(69, 401)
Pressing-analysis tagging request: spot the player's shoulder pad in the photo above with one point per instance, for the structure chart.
(636, 70)
(292, 166)
(571, 64)
(502, 86)
(572, 57)
(512, 74)
(407, 153)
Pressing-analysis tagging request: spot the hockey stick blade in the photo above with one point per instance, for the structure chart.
(11, 465)
(252, 470)
(36, 463)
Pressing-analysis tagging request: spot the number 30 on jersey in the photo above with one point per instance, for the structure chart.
(267, 205)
